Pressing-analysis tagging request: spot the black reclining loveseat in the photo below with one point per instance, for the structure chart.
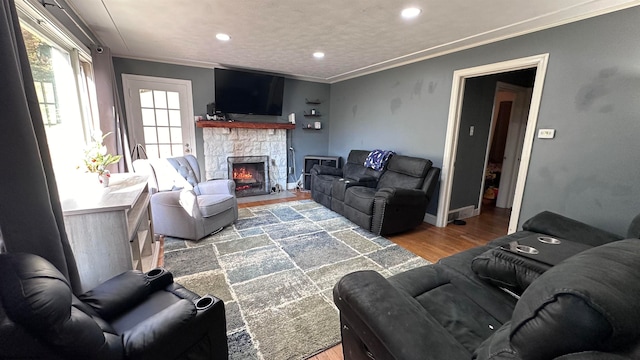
(490, 302)
(385, 201)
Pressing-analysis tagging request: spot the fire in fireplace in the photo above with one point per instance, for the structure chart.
(250, 173)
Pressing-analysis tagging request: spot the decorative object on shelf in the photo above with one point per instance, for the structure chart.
(313, 112)
(312, 126)
(96, 158)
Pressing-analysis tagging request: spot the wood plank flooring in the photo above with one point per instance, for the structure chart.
(430, 242)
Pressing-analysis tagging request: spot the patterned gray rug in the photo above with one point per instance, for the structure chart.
(275, 269)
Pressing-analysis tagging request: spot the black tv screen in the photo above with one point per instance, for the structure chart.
(239, 92)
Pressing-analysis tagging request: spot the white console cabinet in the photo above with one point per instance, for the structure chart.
(110, 228)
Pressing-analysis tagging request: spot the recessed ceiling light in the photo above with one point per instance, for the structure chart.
(410, 13)
(223, 37)
(318, 54)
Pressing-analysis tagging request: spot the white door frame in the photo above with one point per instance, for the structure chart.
(129, 79)
(455, 109)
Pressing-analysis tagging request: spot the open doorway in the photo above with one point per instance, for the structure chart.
(506, 139)
(465, 133)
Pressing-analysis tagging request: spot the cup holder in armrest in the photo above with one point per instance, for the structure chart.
(526, 249)
(205, 302)
(159, 278)
(549, 240)
(155, 273)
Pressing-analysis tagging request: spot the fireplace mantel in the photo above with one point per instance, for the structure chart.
(243, 125)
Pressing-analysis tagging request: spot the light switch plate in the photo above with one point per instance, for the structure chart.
(546, 133)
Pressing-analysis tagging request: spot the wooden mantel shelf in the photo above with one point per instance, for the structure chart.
(243, 125)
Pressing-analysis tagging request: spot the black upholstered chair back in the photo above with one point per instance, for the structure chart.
(405, 172)
(354, 166)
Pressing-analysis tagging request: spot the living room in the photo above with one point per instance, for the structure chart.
(589, 96)
(585, 61)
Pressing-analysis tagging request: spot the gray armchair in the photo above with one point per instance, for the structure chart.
(181, 205)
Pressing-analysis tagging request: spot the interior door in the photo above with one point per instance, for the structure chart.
(515, 141)
(160, 115)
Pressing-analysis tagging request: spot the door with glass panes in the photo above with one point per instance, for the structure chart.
(160, 115)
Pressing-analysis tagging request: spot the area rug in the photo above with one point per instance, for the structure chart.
(275, 269)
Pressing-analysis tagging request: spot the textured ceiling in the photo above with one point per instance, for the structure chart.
(358, 36)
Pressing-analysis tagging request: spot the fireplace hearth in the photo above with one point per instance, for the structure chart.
(250, 174)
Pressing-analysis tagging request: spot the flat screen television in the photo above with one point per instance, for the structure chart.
(240, 92)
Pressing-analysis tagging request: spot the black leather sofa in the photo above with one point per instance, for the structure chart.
(131, 316)
(387, 201)
(586, 306)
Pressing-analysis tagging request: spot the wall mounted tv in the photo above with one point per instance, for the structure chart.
(240, 92)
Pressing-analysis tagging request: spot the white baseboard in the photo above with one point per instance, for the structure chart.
(467, 212)
(462, 213)
(430, 219)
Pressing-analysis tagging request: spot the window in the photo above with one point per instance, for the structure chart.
(161, 123)
(62, 79)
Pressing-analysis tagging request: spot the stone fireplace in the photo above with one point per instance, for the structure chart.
(222, 142)
(250, 173)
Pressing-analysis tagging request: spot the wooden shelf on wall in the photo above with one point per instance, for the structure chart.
(244, 125)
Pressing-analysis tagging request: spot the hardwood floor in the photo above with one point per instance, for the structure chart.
(430, 242)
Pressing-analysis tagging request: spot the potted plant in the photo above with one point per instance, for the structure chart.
(96, 159)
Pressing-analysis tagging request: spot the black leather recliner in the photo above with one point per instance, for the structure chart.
(328, 184)
(384, 202)
(399, 200)
(131, 316)
(585, 307)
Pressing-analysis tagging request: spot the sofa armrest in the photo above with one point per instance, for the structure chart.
(124, 291)
(396, 326)
(213, 187)
(400, 196)
(363, 180)
(150, 338)
(563, 227)
(325, 170)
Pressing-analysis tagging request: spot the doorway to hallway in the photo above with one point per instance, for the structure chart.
(466, 146)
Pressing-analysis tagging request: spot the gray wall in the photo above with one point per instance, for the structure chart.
(305, 142)
(591, 97)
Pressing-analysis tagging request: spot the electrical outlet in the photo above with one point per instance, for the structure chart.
(546, 133)
(290, 170)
